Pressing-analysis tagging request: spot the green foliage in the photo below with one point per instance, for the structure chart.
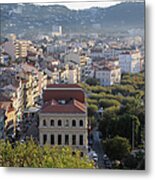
(92, 81)
(135, 161)
(108, 103)
(99, 89)
(96, 96)
(124, 126)
(92, 109)
(30, 154)
(125, 90)
(91, 101)
(117, 148)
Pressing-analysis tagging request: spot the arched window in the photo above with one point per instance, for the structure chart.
(44, 122)
(44, 138)
(74, 123)
(52, 122)
(81, 123)
(66, 123)
(59, 122)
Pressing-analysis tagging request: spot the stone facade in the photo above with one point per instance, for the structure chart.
(63, 118)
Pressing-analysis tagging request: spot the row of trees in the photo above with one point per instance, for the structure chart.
(123, 113)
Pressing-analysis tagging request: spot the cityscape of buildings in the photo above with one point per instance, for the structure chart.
(40, 84)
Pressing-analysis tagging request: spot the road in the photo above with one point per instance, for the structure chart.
(30, 130)
(97, 146)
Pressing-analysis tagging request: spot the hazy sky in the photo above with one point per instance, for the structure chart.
(78, 4)
(84, 5)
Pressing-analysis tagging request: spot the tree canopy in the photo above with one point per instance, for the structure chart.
(30, 154)
(117, 148)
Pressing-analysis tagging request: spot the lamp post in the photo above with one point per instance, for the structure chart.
(133, 134)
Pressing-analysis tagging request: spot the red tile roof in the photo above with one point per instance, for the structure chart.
(63, 86)
(64, 91)
(71, 107)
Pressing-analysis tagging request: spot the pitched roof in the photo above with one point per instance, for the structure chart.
(71, 107)
(64, 91)
(63, 86)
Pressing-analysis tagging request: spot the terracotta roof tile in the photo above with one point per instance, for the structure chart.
(64, 91)
(63, 86)
(71, 107)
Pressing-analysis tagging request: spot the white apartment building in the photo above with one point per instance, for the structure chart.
(130, 62)
(86, 67)
(56, 30)
(108, 75)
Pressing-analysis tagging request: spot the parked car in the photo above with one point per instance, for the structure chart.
(108, 164)
(95, 157)
(92, 155)
(105, 157)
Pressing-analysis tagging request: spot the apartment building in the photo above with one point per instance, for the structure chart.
(34, 82)
(108, 75)
(16, 49)
(72, 74)
(63, 117)
(86, 67)
(9, 116)
(21, 47)
(130, 62)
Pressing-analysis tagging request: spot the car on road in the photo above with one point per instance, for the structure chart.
(92, 155)
(107, 162)
(105, 157)
(95, 157)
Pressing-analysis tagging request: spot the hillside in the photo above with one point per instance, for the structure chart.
(23, 18)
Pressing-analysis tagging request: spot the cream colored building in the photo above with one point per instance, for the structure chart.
(108, 75)
(34, 82)
(130, 62)
(63, 118)
(17, 48)
(21, 47)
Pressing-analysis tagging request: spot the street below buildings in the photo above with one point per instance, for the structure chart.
(98, 148)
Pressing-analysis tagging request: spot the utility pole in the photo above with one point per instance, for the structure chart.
(133, 134)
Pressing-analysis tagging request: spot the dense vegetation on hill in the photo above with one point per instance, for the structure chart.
(27, 18)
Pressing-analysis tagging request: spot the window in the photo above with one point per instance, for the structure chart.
(52, 139)
(73, 139)
(66, 139)
(52, 122)
(81, 154)
(81, 140)
(81, 123)
(66, 123)
(59, 139)
(44, 138)
(59, 122)
(44, 122)
(73, 123)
